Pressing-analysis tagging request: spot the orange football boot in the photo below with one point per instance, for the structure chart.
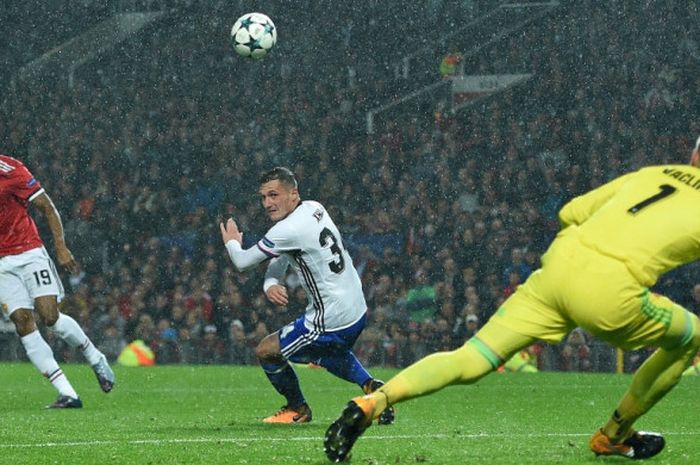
(289, 415)
(641, 445)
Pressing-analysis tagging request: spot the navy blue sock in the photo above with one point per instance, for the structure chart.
(284, 379)
(346, 366)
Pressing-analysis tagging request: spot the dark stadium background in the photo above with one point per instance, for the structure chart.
(145, 141)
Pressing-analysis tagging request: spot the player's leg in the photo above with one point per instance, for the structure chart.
(282, 375)
(70, 331)
(41, 356)
(16, 301)
(388, 415)
(492, 345)
(676, 333)
(344, 364)
(45, 288)
(66, 328)
(333, 351)
(526, 316)
(606, 300)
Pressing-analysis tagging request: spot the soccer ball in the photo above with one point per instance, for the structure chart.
(253, 35)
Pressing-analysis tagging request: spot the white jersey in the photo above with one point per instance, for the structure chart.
(309, 241)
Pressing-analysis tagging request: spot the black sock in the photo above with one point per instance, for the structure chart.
(284, 379)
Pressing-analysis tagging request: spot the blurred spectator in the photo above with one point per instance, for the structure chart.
(576, 352)
(165, 344)
(238, 350)
(466, 327)
(111, 342)
(420, 299)
(212, 348)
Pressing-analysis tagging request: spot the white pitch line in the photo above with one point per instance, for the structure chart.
(161, 442)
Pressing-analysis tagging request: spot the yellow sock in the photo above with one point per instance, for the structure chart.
(657, 375)
(464, 366)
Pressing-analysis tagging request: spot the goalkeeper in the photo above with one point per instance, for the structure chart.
(615, 242)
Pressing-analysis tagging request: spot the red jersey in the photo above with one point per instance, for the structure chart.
(18, 187)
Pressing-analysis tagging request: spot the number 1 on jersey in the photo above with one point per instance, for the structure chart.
(666, 190)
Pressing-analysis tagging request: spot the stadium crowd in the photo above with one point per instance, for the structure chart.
(443, 215)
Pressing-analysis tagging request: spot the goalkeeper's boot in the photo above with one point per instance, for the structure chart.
(291, 415)
(388, 415)
(104, 374)
(641, 445)
(343, 432)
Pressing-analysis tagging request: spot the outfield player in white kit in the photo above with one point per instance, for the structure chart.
(305, 238)
(29, 281)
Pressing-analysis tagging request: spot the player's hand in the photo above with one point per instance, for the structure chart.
(277, 294)
(229, 231)
(66, 260)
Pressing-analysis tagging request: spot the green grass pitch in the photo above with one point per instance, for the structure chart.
(211, 415)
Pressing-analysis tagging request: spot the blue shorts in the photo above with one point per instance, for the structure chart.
(302, 345)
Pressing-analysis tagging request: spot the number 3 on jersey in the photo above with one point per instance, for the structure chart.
(328, 239)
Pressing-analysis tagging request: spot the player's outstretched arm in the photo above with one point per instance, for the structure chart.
(63, 255)
(243, 260)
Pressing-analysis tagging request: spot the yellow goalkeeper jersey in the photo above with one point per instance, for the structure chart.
(648, 219)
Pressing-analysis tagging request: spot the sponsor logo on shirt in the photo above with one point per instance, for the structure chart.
(31, 182)
(268, 243)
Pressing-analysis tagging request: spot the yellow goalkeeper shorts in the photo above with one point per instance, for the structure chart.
(577, 286)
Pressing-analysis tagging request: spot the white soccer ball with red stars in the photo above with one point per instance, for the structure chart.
(253, 35)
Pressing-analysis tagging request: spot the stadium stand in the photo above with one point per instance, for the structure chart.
(154, 140)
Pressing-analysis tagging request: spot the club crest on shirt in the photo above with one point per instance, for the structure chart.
(318, 214)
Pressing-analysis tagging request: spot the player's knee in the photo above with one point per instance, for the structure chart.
(49, 318)
(24, 321)
(261, 353)
(268, 353)
(474, 364)
(268, 350)
(47, 309)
